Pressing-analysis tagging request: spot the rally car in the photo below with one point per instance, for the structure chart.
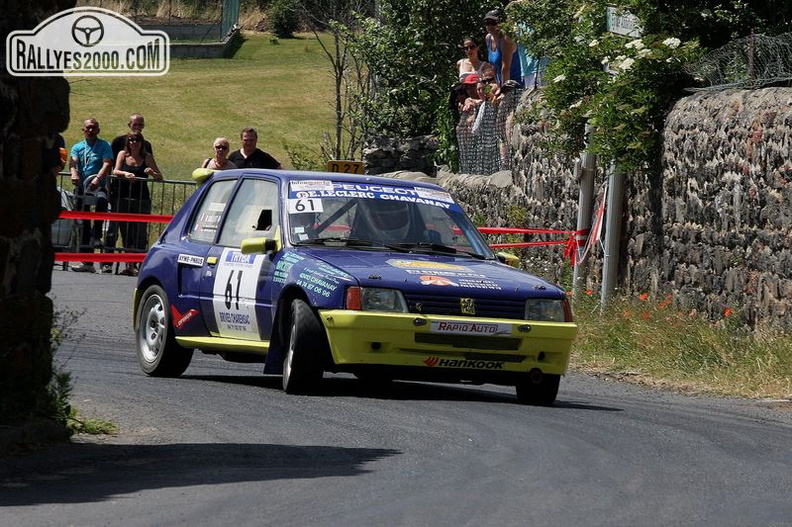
(324, 272)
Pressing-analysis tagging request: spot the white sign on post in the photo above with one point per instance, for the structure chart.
(621, 22)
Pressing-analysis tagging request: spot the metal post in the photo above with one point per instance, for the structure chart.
(585, 170)
(613, 227)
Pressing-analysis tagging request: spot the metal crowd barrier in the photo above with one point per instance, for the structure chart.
(166, 198)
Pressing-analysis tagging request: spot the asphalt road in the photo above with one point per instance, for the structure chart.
(223, 445)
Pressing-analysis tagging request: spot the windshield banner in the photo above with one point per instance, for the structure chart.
(312, 189)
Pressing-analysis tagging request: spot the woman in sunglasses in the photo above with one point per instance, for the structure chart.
(134, 165)
(220, 160)
(501, 50)
(471, 64)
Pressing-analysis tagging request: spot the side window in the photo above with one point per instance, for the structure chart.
(253, 213)
(207, 219)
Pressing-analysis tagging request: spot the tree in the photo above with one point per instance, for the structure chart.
(410, 48)
(340, 18)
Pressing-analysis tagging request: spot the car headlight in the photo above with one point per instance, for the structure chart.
(548, 310)
(375, 299)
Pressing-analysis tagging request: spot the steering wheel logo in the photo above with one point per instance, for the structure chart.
(87, 31)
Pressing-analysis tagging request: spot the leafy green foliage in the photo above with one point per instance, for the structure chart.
(624, 86)
(411, 49)
(283, 19)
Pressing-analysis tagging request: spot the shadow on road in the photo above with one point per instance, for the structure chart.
(89, 472)
(342, 386)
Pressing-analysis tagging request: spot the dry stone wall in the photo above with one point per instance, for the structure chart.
(714, 231)
(727, 210)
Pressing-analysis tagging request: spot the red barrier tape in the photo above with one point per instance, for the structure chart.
(114, 216)
(576, 239)
(100, 257)
(517, 230)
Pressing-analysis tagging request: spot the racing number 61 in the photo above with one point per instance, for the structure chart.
(229, 291)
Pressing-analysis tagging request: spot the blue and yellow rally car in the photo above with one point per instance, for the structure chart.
(324, 272)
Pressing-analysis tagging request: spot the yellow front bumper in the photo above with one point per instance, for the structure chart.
(403, 339)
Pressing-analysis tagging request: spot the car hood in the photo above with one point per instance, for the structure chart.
(420, 271)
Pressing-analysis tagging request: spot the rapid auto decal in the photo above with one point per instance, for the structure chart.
(305, 196)
(464, 363)
(234, 293)
(470, 328)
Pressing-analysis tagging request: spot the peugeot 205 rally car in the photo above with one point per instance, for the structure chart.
(325, 272)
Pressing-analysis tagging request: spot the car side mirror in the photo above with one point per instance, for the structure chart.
(509, 259)
(260, 245)
(200, 175)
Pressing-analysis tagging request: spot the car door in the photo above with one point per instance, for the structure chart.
(193, 250)
(236, 288)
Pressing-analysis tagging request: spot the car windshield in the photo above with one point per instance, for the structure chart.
(366, 216)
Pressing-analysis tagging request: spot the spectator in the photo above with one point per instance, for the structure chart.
(468, 102)
(532, 68)
(136, 123)
(133, 165)
(485, 136)
(501, 50)
(220, 160)
(62, 153)
(90, 164)
(249, 156)
(504, 123)
(471, 63)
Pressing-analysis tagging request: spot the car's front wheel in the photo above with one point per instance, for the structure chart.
(158, 353)
(538, 389)
(302, 366)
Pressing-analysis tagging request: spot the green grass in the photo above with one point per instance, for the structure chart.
(283, 90)
(651, 342)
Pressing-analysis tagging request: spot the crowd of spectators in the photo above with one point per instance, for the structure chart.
(114, 178)
(486, 96)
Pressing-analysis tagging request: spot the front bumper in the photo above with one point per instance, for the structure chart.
(435, 343)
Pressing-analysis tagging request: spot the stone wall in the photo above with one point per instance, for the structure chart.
(32, 112)
(384, 154)
(727, 203)
(714, 231)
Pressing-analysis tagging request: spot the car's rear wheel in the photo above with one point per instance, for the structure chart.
(158, 353)
(538, 389)
(302, 366)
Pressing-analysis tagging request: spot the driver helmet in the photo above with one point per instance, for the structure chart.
(389, 215)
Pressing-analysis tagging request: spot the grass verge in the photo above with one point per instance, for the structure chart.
(649, 341)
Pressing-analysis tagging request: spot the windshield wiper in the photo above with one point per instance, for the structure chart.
(338, 241)
(438, 248)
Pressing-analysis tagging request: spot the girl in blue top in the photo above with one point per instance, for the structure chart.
(502, 51)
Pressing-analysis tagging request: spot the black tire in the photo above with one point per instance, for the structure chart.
(158, 353)
(307, 343)
(538, 389)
